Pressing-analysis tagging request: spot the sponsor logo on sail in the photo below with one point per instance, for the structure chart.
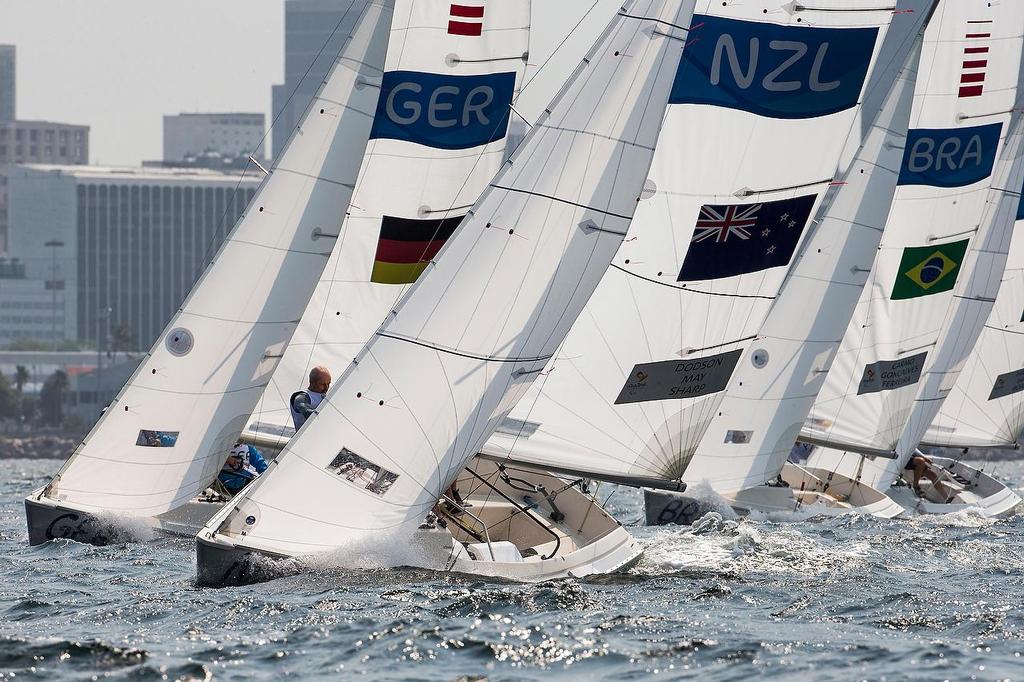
(443, 111)
(676, 379)
(927, 270)
(954, 157)
(786, 72)
(406, 246)
(888, 375)
(732, 240)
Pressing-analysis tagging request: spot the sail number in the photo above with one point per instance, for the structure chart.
(443, 111)
(773, 70)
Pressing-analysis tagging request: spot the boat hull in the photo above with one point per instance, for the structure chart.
(983, 493)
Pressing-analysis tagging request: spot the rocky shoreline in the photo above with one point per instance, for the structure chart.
(43, 446)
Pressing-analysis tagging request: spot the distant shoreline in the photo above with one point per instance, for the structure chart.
(38, 446)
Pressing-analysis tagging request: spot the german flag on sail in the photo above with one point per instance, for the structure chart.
(406, 245)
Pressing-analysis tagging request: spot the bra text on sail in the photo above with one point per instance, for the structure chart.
(777, 71)
(950, 157)
(443, 111)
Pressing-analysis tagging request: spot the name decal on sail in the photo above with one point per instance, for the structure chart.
(888, 375)
(954, 157)
(927, 270)
(443, 111)
(406, 246)
(675, 379)
(777, 71)
(1007, 384)
(739, 239)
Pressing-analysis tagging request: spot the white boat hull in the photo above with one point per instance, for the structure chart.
(584, 540)
(973, 489)
(807, 490)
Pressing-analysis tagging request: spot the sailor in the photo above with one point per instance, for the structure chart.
(243, 466)
(920, 466)
(304, 403)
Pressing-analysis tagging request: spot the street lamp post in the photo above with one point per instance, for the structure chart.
(53, 244)
(102, 316)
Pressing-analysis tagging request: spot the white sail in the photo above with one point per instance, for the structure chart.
(743, 164)
(942, 252)
(479, 325)
(167, 433)
(456, 65)
(782, 372)
(986, 406)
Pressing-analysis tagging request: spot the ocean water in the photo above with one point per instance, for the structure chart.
(803, 598)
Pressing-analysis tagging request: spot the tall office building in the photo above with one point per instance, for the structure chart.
(314, 33)
(128, 243)
(8, 90)
(189, 137)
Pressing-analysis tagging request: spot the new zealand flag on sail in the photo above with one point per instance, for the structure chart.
(772, 70)
(737, 239)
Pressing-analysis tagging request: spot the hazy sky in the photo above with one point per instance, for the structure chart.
(120, 65)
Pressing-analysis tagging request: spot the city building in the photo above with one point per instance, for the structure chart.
(314, 33)
(32, 308)
(8, 79)
(123, 244)
(188, 137)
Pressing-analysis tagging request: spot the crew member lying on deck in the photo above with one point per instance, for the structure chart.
(244, 465)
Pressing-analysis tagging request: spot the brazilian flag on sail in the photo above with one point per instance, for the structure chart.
(406, 246)
(927, 270)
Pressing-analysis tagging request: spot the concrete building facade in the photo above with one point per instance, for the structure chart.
(8, 83)
(228, 135)
(132, 241)
(314, 33)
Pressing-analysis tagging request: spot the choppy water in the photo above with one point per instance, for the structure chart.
(840, 598)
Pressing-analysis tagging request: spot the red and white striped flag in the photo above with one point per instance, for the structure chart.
(466, 20)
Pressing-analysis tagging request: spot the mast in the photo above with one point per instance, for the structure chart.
(167, 433)
(643, 373)
(481, 322)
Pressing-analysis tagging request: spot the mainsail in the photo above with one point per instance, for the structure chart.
(986, 406)
(451, 74)
(943, 251)
(760, 115)
(482, 321)
(167, 433)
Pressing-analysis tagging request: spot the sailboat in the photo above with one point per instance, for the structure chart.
(657, 371)
(918, 320)
(164, 438)
(470, 336)
(985, 409)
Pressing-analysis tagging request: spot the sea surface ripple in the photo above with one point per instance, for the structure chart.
(849, 598)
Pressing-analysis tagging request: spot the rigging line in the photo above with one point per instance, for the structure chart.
(463, 354)
(554, 52)
(687, 289)
(560, 200)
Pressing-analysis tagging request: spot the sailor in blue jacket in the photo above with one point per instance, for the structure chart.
(244, 465)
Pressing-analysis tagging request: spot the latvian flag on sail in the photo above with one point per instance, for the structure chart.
(406, 246)
(466, 20)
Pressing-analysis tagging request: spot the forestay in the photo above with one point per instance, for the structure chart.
(484, 318)
(943, 251)
(761, 109)
(986, 406)
(167, 433)
(452, 70)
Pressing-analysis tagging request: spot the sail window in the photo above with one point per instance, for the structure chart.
(157, 439)
(738, 437)
(362, 473)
